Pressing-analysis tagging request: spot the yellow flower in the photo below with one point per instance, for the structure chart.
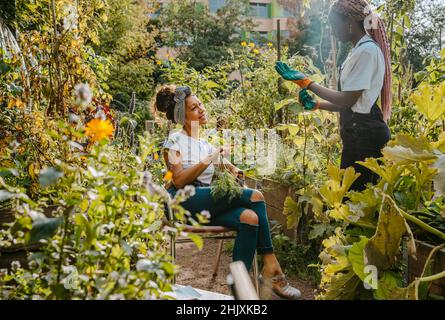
(158, 62)
(244, 43)
(168, 176)
(269, 44)
(256, 51)
(98, 129)
(251, 44)
(156, 156)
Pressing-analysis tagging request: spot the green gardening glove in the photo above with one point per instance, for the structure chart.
(292, 75)
(308, 102)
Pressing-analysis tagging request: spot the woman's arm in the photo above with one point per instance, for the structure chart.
(182, 177)
(231, 167)
(331, 107)
(336, 100)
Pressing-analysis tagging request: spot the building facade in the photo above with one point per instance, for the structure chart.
(265, 14)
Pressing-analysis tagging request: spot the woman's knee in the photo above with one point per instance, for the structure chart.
(256, 196)
(249, 216)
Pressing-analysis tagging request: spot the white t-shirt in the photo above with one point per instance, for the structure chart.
(364, 69)
(192, 152)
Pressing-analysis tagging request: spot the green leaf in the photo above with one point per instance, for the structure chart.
(197, 240)
(284, 103)
(292, 210)
(49, 176)
(82, 220)
(6, 195)
(388, 289)
(439, 179)
(383, 247)
(335, 189)
(430, 101)
(317, 231)
(209, 84)
(356, 256)
(406, 149)
(7, 172)
(44, 228)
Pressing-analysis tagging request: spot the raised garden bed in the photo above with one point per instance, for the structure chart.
(275, 194)
(415, 267)
(18, 252)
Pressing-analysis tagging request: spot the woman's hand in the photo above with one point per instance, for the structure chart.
(308, 102)
(292, 75)
(215, 155)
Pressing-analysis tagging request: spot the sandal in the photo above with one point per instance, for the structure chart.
(281, 287)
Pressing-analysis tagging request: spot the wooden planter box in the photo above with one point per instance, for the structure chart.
(275, 194)
(415, 267)
(18, 252)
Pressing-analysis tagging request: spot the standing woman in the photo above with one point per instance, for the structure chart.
(364, 77)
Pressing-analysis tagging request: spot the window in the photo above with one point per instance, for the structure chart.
(288, 13)
(215, 5)
(259, 10)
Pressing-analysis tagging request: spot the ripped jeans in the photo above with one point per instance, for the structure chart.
(222, 213)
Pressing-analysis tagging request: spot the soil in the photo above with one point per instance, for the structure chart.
(197, 268)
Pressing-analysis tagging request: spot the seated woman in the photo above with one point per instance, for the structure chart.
(192, 162)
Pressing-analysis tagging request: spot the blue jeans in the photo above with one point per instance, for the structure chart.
(224, 213)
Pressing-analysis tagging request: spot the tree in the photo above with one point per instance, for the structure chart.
(201, 37)
(426, 38)
(130, 47)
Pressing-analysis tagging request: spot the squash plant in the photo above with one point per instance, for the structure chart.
(407, 202)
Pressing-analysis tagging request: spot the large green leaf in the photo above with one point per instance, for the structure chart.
(335, 189)
(382, 248)
(430, 101)
(284, 103)
(388, 173)
(44, 228)
(388, 289)
(356, 256)
(406, 149)
(49, 176)
(439, 179)
(292, 210)
(197, 240)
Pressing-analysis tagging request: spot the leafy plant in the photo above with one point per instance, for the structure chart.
(224, 186)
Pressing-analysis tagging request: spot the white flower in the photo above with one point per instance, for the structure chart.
(73, 118)
(15, 265)
(70, 17)
(205, 214)
(83, 94)
(100, 115)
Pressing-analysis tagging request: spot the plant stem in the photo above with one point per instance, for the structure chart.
(66, 214)
(417, 221)
(434, 277)
(304, 152)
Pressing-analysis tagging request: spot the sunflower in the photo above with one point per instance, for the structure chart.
(98, 129)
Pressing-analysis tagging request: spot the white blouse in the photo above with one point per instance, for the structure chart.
(364, 69)
(192, 152)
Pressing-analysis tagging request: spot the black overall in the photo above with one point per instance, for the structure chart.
(363, 136)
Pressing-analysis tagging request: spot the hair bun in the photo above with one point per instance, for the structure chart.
(165, 100)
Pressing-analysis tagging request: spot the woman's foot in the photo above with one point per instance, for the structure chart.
(281, 287)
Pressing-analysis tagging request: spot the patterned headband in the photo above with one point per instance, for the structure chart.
(179, 112)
